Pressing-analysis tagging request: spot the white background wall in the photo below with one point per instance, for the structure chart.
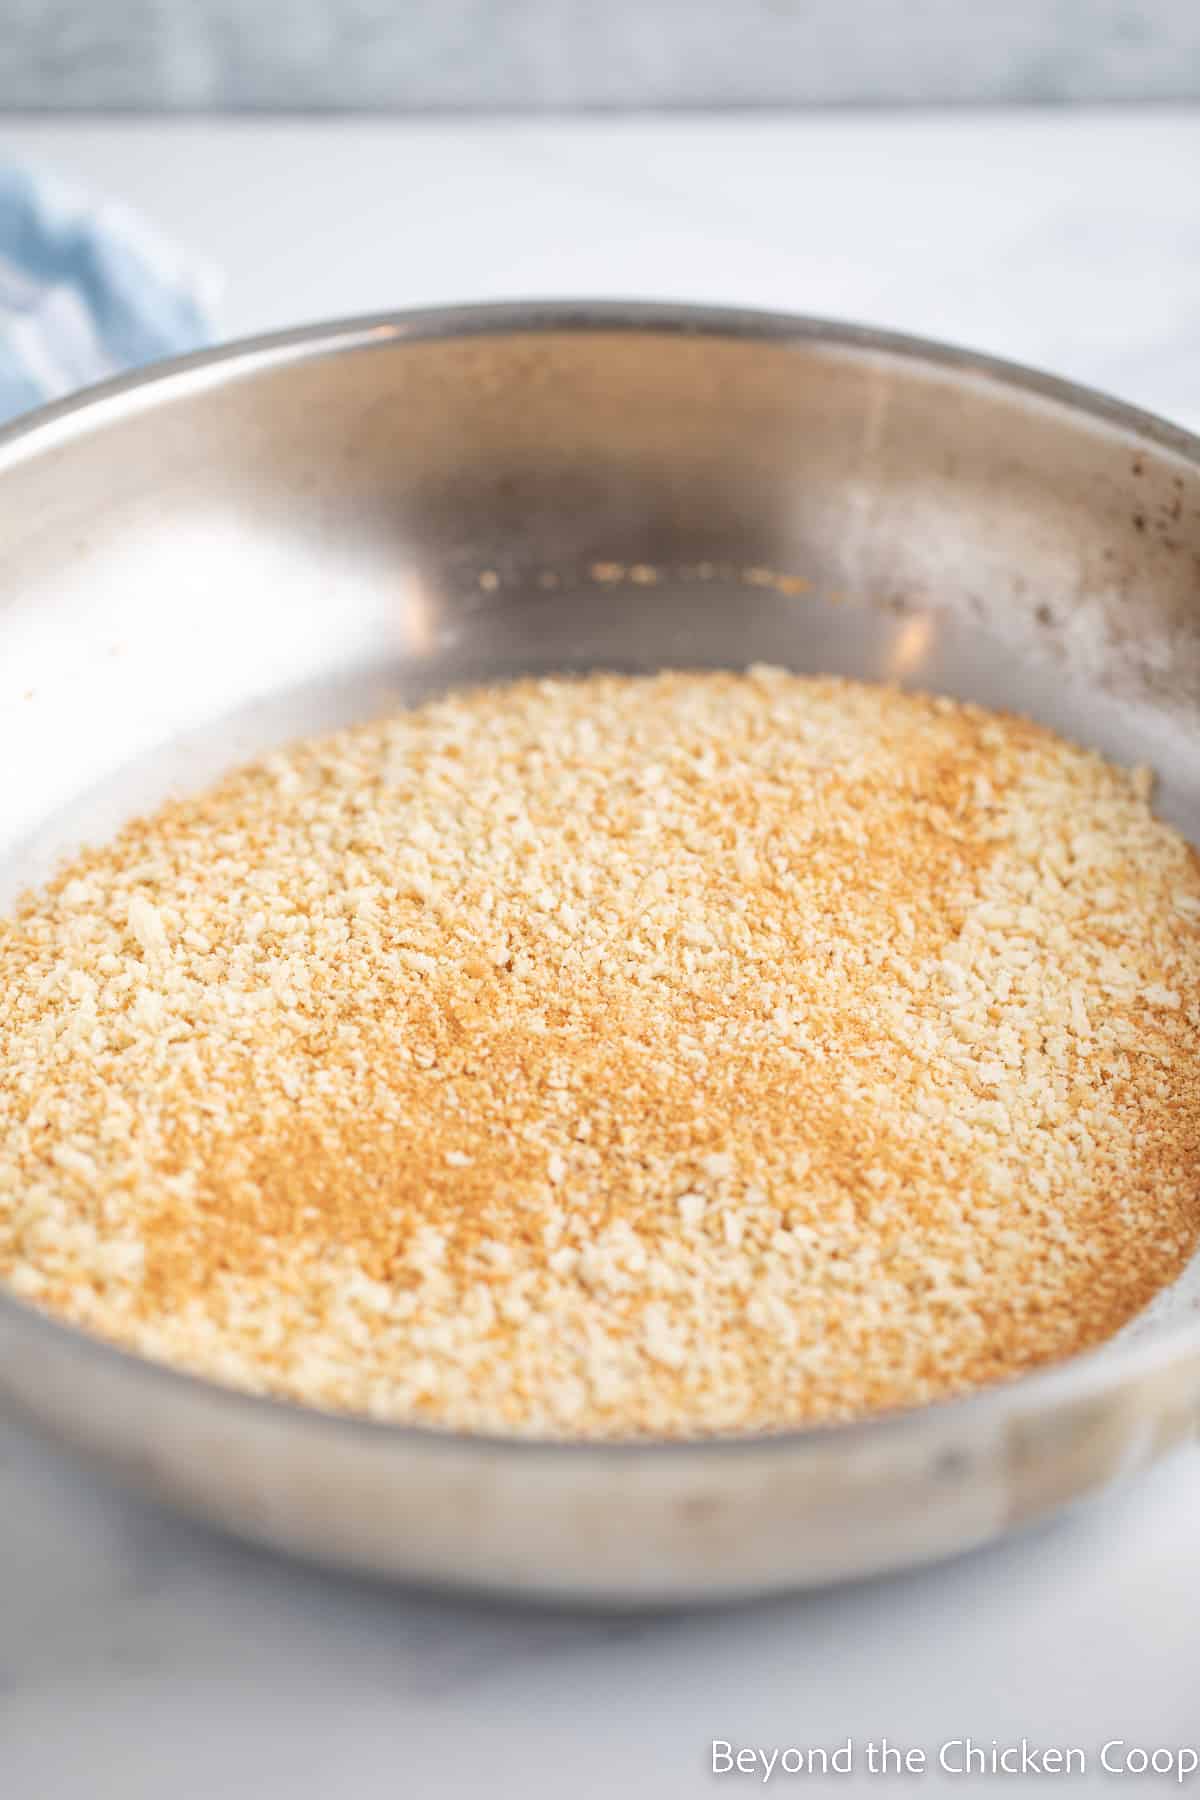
(536, 54)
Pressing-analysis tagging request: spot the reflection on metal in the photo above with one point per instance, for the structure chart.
(910, 647)
(417, 615)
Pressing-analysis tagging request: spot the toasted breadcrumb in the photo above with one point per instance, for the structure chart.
(656, 1055)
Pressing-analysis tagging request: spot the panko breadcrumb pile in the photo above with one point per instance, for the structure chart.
(661, 1055)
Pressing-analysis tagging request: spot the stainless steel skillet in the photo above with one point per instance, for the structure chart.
(290, 533)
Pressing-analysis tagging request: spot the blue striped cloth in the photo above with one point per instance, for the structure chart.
(86, 291)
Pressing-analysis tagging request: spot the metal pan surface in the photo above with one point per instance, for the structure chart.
(292, 533)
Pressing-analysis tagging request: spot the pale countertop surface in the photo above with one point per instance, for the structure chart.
(142, 1658)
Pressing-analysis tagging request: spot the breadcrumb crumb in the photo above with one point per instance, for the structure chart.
(660, 1055)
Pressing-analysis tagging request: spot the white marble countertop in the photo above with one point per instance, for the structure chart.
(142, 1658)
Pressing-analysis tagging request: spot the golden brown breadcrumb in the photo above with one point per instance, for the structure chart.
(623, 1055)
